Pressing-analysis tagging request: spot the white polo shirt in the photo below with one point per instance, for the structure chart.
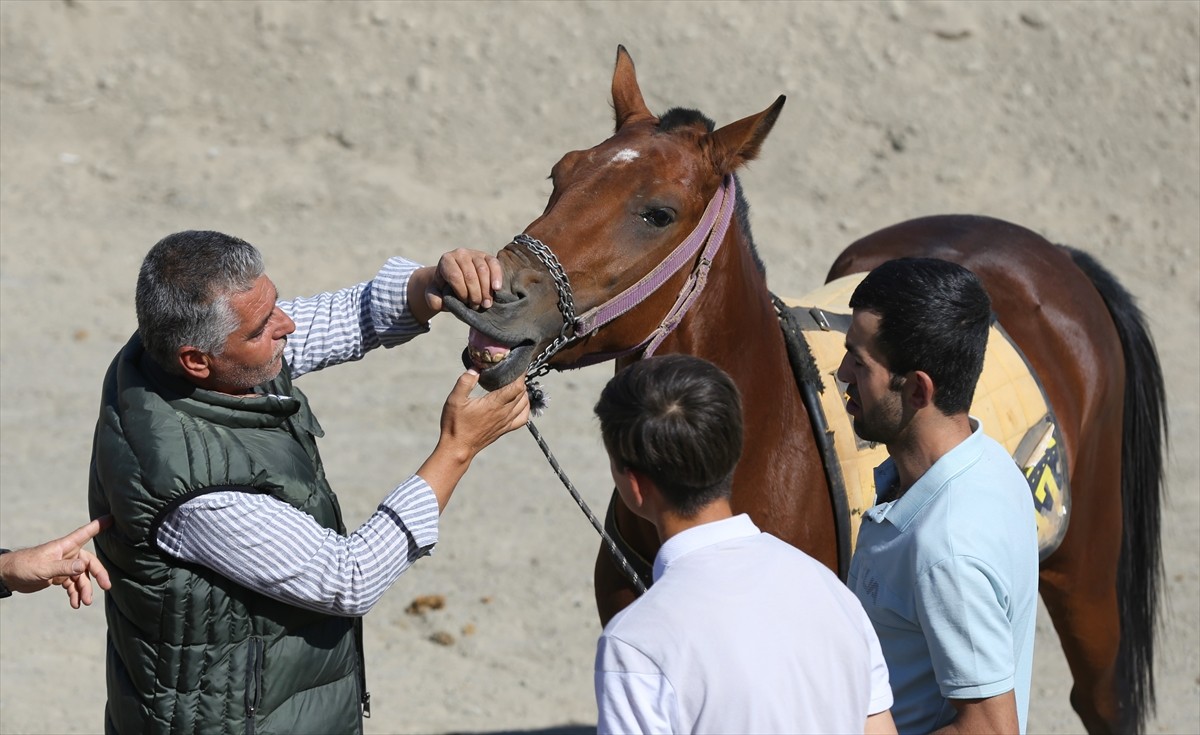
(740, 633)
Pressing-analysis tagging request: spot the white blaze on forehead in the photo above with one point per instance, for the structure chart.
(625, 155)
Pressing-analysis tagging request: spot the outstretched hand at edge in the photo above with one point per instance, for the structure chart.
(62, 561)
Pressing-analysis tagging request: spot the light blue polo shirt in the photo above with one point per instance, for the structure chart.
(948, 575)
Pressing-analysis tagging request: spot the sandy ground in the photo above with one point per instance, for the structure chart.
(335, 134)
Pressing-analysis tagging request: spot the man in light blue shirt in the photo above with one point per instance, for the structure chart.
(946, 563)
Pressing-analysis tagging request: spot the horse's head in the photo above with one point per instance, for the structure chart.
(616, 212)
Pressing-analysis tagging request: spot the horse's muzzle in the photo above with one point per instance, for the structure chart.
(496, 326)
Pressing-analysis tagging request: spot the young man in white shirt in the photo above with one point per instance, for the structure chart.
(740, 632)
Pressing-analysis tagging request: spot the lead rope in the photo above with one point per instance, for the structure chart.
(537, 397)
(618, 557)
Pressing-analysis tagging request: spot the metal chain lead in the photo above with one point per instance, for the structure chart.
(540, 366)
(566, 304)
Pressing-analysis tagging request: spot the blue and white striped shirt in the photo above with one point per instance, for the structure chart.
(266, 545)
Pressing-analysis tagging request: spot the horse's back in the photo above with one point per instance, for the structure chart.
(1076, 326)
(1042, 299)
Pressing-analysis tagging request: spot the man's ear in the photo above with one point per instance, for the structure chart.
(195, 362)
(919, 389)
(635, 489)
(640, 488)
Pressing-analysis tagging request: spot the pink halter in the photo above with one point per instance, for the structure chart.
(712, 228)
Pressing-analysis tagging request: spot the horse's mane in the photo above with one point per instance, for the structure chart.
(683, 117)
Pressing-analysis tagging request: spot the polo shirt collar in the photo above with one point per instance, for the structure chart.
(900, 513)
(707, 534)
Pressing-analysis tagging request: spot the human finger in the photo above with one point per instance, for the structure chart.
(56, 570)
(83, 588)
(491, 278)
(71, 585)
(433, 299)
(95, 569)
(521, 415)
(463, 386)
(515, 398)
(459, 271)
(508, 392)
(86, 532)
(483, 273)
(495, 272)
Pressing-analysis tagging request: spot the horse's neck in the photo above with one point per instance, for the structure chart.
(780, 480)
(734, 324)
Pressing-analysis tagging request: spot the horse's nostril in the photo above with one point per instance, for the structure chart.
(525, 283)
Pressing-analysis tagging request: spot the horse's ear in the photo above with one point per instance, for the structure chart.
(627, 96)
(739, 142)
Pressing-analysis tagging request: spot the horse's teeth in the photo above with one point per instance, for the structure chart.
(490, 358)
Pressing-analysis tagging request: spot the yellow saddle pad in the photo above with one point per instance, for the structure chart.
(1009, 402)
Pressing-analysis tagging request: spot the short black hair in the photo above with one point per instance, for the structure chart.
(934, 317)
(678, 420)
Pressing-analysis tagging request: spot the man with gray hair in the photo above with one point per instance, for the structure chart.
(237, 594)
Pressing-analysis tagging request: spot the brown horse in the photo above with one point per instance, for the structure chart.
(610, 271)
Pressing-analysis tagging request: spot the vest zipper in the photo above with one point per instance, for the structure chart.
(362, 668)
(254, 666)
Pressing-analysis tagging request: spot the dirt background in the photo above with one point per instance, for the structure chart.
(335, 134)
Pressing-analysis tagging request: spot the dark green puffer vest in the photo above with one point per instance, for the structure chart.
(188, 650)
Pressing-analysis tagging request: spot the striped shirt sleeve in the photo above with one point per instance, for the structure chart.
(344, 325)
(272, 548)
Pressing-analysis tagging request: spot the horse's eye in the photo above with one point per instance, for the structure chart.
(658, 217)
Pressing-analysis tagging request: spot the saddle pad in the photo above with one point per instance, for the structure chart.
(1009, 402)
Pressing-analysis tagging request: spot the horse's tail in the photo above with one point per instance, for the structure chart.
(1140, 569)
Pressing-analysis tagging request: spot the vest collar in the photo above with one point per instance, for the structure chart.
(265, 410)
